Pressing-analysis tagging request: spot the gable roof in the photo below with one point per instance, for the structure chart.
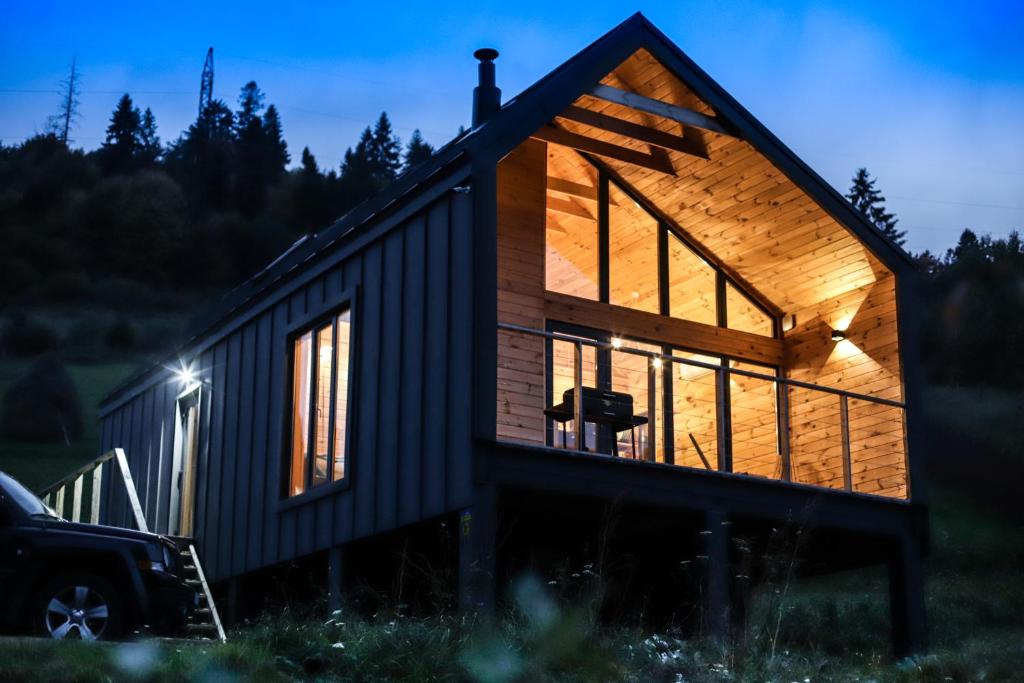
(515, 121)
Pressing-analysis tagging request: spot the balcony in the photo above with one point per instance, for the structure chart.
(653, 403)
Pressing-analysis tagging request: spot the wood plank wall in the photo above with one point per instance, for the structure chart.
(522, 188)
(410, 445)
(868, 362)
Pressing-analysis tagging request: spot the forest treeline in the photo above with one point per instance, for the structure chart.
(139, 225)
(199, 213)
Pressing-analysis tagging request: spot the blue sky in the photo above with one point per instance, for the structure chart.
(928, 96)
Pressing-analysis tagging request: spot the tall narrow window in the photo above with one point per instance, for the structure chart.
(563, 379)
(691, 285)
(322, 413)
(632, 254)
(341, 393)
(320, 380)
(301, 369)
(571, 253)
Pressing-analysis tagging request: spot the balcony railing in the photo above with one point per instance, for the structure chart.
(751, 422)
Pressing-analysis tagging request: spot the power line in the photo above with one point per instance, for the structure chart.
(946, 201)
(343, 77)
(98, 92)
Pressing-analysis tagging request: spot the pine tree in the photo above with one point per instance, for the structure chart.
(418, 150)
(870, 202)
(250, 104)
(150, 141)
(309, 166)
(385, 151)
(124, 136)
(310, 200)
(358, 179)
(275, 148)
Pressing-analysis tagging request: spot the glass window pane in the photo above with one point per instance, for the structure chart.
(301, 371)
(743, 315)
(632, 254)
(322, 413)
(691, 284)
(631, 374)
(341, 393)
(571, 225)
(562, 379)
(695, 412)
(755, 444)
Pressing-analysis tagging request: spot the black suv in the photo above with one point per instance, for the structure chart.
(67, 580)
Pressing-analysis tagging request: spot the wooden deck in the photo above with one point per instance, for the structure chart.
(710, 251)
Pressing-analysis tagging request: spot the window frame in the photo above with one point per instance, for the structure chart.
(315, 319)
(666, 230)
(667, 424)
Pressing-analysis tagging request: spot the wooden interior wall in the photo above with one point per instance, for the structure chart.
(738, 206)
(522, 182)
(867, 362)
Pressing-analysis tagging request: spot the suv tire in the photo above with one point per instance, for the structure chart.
(83, 606)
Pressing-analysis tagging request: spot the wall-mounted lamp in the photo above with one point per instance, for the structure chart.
(616, 343)
(838, 335)
(186, 375)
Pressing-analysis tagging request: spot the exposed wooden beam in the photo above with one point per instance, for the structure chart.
(579, 190)
(628, 322)
(695, 244)
(569, 187)
(568, 207)
(651, 136)
(687, 117)
(604, 149)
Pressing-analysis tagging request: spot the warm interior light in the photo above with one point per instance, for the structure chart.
(838, 335)
(656, 362)
(616, 343)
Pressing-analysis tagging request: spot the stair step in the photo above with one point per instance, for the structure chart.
(202, 611)
(201, 627)
(193, 582)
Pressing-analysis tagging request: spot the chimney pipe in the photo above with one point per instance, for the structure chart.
(486, 95)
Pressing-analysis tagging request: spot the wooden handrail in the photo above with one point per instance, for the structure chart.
(84, 469)
(57, 490)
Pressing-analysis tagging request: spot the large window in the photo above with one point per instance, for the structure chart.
(603, 244)
(320, 378)
(676, 405)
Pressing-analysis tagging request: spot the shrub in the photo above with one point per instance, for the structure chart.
(42, 405)
(24, 336)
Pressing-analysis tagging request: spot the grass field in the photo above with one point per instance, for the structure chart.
(832, 628)
(37, 465)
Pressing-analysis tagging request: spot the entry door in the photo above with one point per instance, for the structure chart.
(186, 443)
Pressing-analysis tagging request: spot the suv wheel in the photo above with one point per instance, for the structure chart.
(78, 606)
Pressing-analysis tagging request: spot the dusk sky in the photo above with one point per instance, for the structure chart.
(929, 96)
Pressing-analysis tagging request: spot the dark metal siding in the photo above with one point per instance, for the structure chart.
(410, 438)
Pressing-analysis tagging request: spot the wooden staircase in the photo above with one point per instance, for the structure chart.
(204, 622)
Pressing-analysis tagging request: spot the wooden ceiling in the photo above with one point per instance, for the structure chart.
(734, 203)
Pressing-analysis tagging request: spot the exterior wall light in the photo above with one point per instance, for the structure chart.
(838, 335)
(616, 343)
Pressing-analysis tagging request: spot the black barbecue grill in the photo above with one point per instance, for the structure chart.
(613, 409)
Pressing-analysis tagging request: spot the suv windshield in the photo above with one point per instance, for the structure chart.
(23, 498)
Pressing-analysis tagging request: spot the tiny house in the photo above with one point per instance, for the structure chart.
(617, 288)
